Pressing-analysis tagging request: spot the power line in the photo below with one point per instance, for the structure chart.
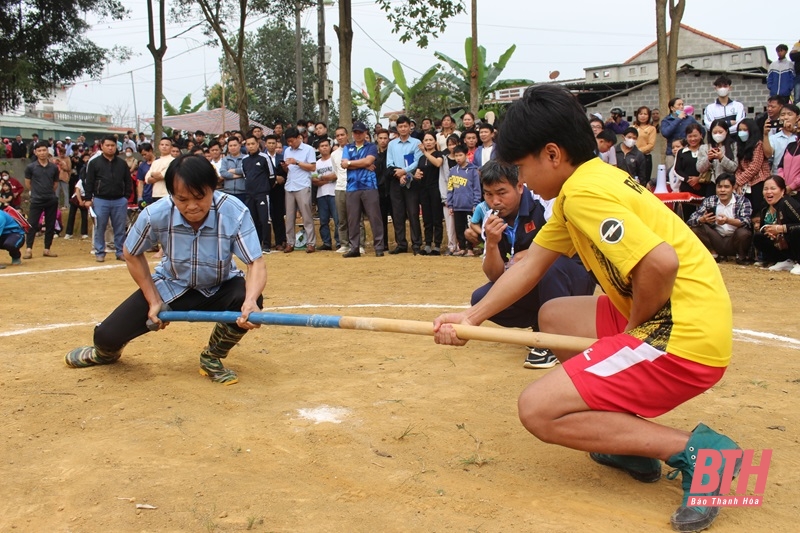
(382, 48)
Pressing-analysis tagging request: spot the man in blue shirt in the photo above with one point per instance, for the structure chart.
(200, 230)
(402, 158)
(299, 161)
(231, 170)
(358, 158)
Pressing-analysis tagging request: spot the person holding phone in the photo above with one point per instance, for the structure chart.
(723, 222)
(718, 156)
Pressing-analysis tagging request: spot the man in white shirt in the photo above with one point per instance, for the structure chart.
(158, 170)
(299, 161)
(325, 180)
(724, 106)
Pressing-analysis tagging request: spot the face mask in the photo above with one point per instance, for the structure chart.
(722, 92)
(744, 135)
(392, 124)
(718, 137)
(630, 143)
(128, 154)
(301, 129)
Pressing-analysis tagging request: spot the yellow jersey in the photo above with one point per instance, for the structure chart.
(612, 222)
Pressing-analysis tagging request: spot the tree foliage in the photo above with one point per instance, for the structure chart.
(409, 92)
(270, 73)
(459, 76)
(186, 107)
(43, 45)
(377, 89)
(420, 19)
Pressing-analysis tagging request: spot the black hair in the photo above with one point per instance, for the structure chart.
(546, 114)
(470, 113)
(460, 149)
(671, 103)
(200, 132)
(199, 148)
(779, 181)
(251, 136)
(486, 126)
(722, 123)
(694, 126)
(324, 140)
(232, 138)
(112, 138)
(145, 147)
(41, 144)
(497, 171)
(272, 137)
(452, 137)
(782, 47)
(727, 177)
(649, 115)
(321, 124)
(425, 134)
(607, 135)
(291, 133)
(196, 173)
(745, 149)
(342, 128)
(777, 98)
(630, 129)
(214, 143)
(793, 108)
(403, 119)
(595, 119)
(722, 80)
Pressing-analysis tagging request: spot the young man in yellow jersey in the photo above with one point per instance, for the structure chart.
(664, 324)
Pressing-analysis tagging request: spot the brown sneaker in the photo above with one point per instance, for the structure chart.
(48, 253)
(288, 249)
(27, 254)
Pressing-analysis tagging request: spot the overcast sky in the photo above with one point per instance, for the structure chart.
(564, 36)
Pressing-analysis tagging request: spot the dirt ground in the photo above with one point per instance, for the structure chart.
(423, 437)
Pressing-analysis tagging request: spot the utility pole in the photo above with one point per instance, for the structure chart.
(473, 74)
(322, 64)
(298, 60)
(135, 111)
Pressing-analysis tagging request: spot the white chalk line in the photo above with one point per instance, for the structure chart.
(742, 335)
(61, 270)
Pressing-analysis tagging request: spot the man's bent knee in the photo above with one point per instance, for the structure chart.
(533, 413)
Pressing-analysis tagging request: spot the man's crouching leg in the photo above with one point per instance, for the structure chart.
(223, 338)
(91, 356)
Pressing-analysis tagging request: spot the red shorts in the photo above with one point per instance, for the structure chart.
(623, 374)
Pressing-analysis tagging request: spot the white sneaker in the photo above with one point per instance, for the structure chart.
(782, 266)
(343, 250)
(67, 237)
(795, 270)
(361, 249)
(84, 237)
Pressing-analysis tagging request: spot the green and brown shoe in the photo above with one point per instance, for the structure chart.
(89, 356)
(214, 369)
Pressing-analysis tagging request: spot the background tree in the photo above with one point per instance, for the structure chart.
(270, 71)
(377, 89)
(433, 102)
(412, 19)
(667, 51)
(410, 92)
(43, 45)
(184, 108)
(158, 60)
(459, 76)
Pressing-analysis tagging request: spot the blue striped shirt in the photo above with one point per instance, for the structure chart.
(202, 259)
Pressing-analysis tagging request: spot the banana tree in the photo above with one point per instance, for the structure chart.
(185, 107)
(377, 89)
(409, 92)
(487, 73)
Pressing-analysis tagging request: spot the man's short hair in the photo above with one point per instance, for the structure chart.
(41, 144)
(291, 133)
(781, 47)
(595, 119)
(546, 114)
(343, 129)
(232, 138)
(460, 149)
(271, 137)
(631, 130)
(321, 124)
(607, 135)
(200, 132)
(486, 126)
(251, 136)
(214, 143)
(722, 80)
(727, 177)
(793, 108)
(325, 140)
(403, 119)
(777, 98)
(195, 172)
(497, 171)
(110, 138)
(145, 147)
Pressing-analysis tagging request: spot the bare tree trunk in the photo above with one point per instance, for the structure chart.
(322, 68)
(298, 61)
(344, 31)
(473, 73)
(675, 16)
(158, 58)
(664, 90)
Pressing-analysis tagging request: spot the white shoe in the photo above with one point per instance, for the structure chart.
(84, 237)
(795, 270)
(361, 249)
(67, 237)
(343, 250)
(782, 266)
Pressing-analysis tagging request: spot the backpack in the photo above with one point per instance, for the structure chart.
(16, 215)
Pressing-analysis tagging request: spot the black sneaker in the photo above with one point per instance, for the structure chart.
(540, 358)
(324, 248)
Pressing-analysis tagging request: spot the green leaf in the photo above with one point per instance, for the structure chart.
(399, 76)
(455, 65)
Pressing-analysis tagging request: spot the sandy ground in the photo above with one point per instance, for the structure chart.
(332, 430)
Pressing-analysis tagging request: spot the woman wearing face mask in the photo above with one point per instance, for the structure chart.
(718, 156)
(778, 239)
(686, 166)
(674, 126)
(753, 167)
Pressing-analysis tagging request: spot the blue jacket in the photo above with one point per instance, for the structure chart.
(463, 188)
(231, 185)
(780, 80)
(478, 159)
(673, 128)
